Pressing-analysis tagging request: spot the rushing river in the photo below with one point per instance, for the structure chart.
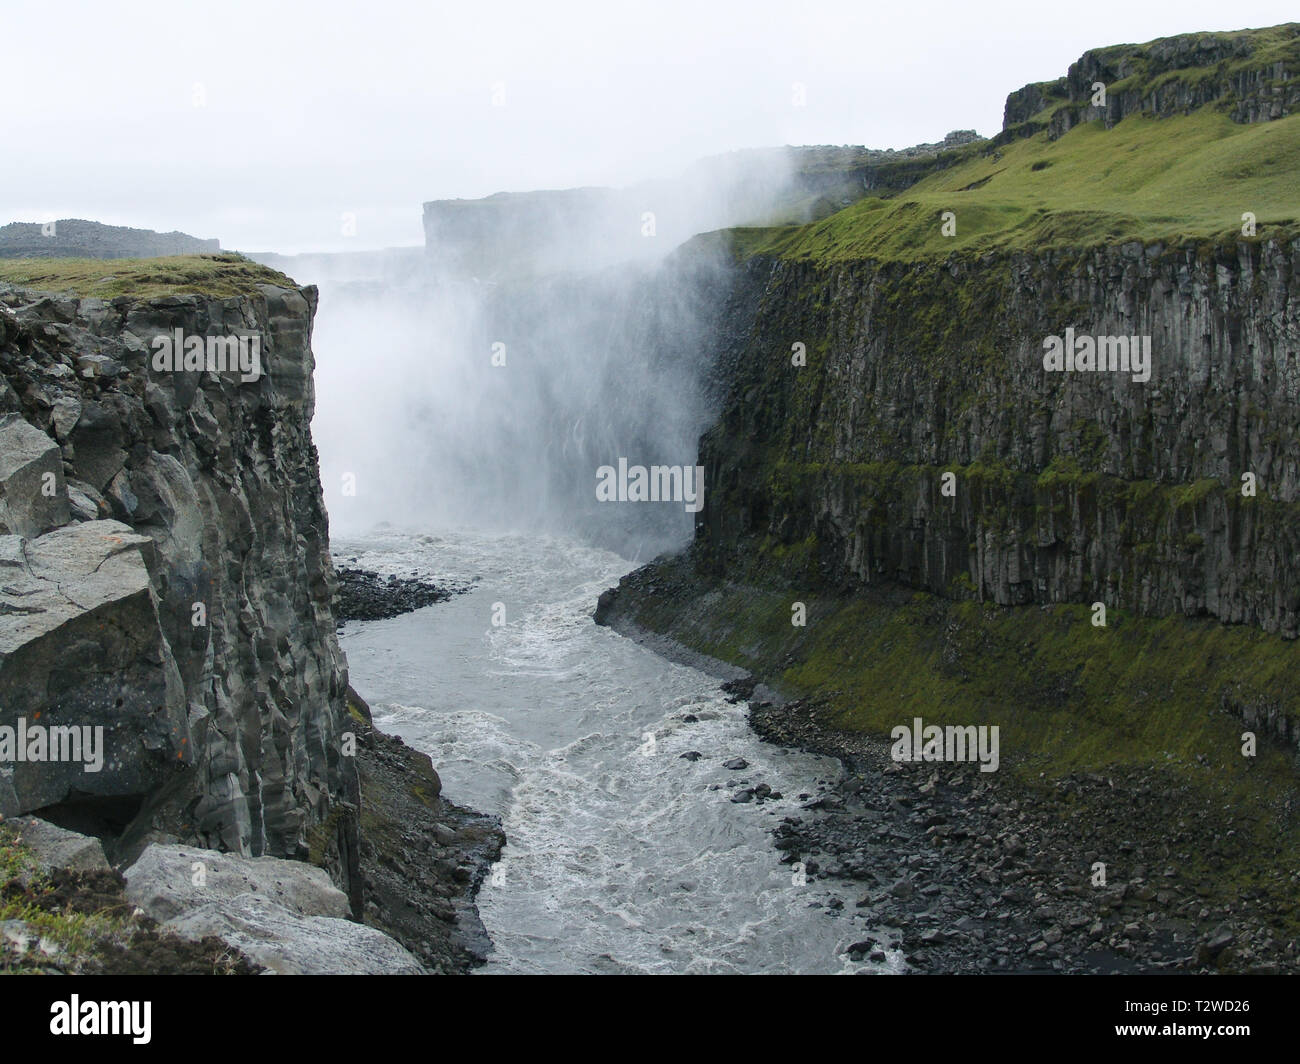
(622, 856)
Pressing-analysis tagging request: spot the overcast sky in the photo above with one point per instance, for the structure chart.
(261, 123)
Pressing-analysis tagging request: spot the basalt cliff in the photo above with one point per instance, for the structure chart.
(167, 600)
(910, 513)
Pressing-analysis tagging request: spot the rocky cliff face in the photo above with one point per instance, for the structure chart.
(1252, 75)
(164, 574)
(1066, 487)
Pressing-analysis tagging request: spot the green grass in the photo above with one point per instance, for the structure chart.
(74, 932)
(220, 276)
(1152, 180)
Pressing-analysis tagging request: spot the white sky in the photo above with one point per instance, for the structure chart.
(316, 109)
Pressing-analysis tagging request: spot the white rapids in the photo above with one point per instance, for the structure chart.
(621, 855)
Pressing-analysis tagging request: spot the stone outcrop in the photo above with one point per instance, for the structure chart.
(284, 915)
(32, 496)
(78, 238)
(54, 847)
(1252, 76)
(170, 880)
(81, 648)
(184, 604)
(287, 944)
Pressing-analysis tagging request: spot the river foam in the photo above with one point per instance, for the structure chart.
(622, 855)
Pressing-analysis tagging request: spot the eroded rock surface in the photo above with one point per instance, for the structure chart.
(176, 590)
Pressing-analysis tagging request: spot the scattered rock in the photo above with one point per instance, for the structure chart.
(367, 596)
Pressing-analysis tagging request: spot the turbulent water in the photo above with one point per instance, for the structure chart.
(622, 856)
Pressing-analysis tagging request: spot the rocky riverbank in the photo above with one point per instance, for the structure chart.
(423, 858)
(964, 871)
(971, 872)
(915, 512)
(365, 596)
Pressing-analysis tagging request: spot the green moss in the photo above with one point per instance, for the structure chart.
(1066, 696)
(320, 839)
(1190, 495)
(219, 276)
(15, 858)
(75, 932)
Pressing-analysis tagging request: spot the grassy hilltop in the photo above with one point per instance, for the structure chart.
(1152, 177)
(220, 276)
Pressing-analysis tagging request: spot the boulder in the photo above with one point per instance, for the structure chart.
(64, 414)
(163, 882)
(56, 847)
(32, 499)
(289, 944)
(285, 915)
(81, 648)
(85, 503)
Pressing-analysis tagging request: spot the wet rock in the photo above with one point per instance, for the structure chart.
(367, 596)
(740, 689)
(736, 763)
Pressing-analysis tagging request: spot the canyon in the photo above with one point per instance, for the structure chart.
(940, 510)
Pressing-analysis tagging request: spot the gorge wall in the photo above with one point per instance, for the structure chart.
(1067, 487)
(907, 512)
(164, 572)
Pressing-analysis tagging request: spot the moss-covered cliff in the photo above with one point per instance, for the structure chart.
(874, 352)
